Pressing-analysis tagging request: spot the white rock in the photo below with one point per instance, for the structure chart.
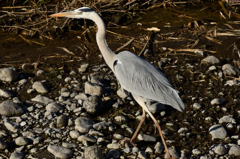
(60, 152)
(40, 87)
(145, 137)
(234, 150)
(114, 146)
(5, 93)
(217, 101)
(21, 141)
(42, 99)
(93, 89)
(8, 74)
(210, 60)
(227, 119)
(218, 132)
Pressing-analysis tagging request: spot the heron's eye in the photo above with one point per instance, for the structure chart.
(79, 12)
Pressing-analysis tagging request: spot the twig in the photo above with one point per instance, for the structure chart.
(66, 50)
(124, 45)
(144, 47)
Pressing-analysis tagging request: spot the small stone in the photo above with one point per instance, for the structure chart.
(39, 72)
(229, 70)
(102, 125)
(210, 60)
(60, 152)
(40, 87)
(11, 126)
(93, 152)
(122, 93)
(234, 150)
(83, 124)
(114, 146)
(83, 68)
(21, 141)
(142, 155)
(8, 74)
(197, 106)
(218, 132)
(113, 154)
(84, 138)
(147, 138)
(22, 82)
(120, 119)
(227, 119)
(17, 155)
(62, 121)
(5, 93)
(93, 104)
(159, 147)
(196, 152)
(54, 107)
(172, 152)
(42, 99)
(93, 89)
(74, 134)
(9, 108)
(221, 150)
(217, 101)
(69, 145)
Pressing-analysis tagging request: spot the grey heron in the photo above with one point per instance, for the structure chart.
(136, 75)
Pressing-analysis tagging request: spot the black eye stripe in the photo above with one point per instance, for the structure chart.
(86, 9)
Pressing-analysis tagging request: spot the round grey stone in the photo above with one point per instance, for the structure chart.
(16, 155)
(9, 108)
(83, 124)
(218, 132)
(93, 104)
(54, 107)
(210, 60)
(93, 152)
(60, 152)
(40, 87)
(21, 141)
(8, 75)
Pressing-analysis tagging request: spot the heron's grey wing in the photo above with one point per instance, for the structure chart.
(139, 77)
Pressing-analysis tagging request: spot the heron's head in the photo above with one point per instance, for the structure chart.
(84, 12)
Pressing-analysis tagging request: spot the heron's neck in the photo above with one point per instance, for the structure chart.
(107, 53)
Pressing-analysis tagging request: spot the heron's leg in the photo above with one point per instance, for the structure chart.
(141, 102)
(123, 141)
(139, 125)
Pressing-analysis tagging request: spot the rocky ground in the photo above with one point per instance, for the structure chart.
(79, 115)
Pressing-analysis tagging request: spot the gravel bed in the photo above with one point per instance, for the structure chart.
(83, 113)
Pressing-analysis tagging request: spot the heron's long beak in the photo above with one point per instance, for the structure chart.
(64, 14)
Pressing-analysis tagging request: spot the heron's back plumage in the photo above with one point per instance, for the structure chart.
(141, 78)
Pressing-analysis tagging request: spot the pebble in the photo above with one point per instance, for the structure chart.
(69, 145)
(84, 138)
(60, 152)
(102, 125)
(11, 126)
(93, 104)
(159, 147)
(142, 155)
(93, 89)
(83, 68)
(229, 70)
(172, 152)
(234, 150)
(227, 119)
(217, 101)
(197, 106)
(122, 93)
(22, 82)
(8, 74)
(83, 124)
(196, 152)
(120, 119)
(62, 121)
(5, 93)
(21, 141)
(114, 146)
(39, 72)
(17, 155)
(54, 107)
(93, 152)
(113, 154)
(74, 134)
(221, 149)
(40, 87)
(42, 99)
(210, 60)
(147, 138)
(9, 108)
(218, 132)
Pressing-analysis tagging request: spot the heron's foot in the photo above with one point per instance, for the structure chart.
(126, 140)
